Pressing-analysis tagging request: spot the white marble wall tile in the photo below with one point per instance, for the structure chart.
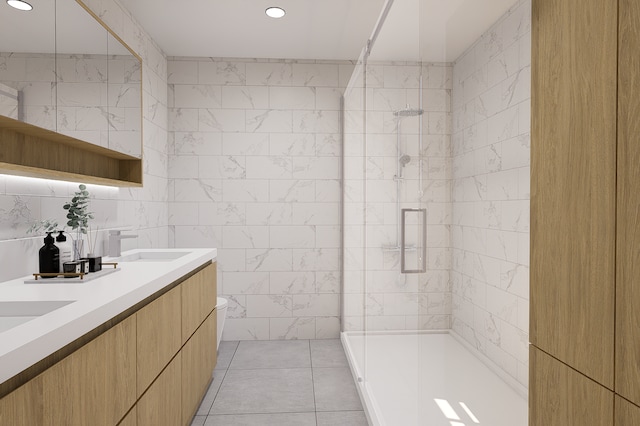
(316, 121)
(245, 144)
(293, 98)
(197, 143)
(218, 120)
(245, 236)
(291, 191)
(245, 97)
(246, 329)
(182, 72)
(271, 260)
(269, 306)
(316, 168)
(197, 96)
(292, 236)
(269, 167)
(292, 282)
(222, 73)
(269, 213)
(245, 282)
(221, 167)
(269, 74)
(221, 213)
(198, 190)
(315, 305)
(327, 327)
(318, 75)
(292, 144)
(292, 328)
(491, 118)
(245, 190)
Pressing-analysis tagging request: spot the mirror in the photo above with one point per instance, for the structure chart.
(70, 75)
(27, 64)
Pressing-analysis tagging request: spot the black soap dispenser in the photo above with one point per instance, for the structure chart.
(49, 256)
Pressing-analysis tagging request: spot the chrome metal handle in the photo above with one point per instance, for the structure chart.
(422, 254)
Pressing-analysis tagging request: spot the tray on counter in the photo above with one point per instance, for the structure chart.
(75, 280)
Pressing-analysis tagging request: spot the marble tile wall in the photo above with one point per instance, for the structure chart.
(255, 171)
(96, 97)
(491, 165)
(144, 210)
(388, 299)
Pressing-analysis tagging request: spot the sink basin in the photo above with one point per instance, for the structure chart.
(151, 256)
(13, 314)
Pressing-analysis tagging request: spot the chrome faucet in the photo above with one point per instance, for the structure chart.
(115, 248)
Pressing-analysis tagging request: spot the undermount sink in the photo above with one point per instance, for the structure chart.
(13, 314)
(151, 256)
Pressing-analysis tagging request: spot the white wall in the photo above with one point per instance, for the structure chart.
(255, 171)
(144, 209)
(491, 124)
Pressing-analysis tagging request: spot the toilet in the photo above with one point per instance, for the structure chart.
(221, 309)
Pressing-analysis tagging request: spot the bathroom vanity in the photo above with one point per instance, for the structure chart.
(136, 347)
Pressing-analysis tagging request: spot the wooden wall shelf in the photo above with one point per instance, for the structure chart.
(28, 150)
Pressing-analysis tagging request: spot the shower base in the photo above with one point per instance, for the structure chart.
(429, 379)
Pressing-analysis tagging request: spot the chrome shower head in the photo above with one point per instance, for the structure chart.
(408, 112)
(404, 160)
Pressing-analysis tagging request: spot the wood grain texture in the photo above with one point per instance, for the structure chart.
(198, 299)
(161, 403)
(628, 222)
(31, 151)
(560, 396)
(573, 183)
(131, 419)
(96, 384)
(627, 414)
(23, 407)
(158, 336)
(198, 362)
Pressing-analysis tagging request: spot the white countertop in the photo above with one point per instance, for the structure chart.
(95, 302)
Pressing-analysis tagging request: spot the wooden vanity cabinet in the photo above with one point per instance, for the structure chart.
(137, 372)
(161, 403)
(158, 337)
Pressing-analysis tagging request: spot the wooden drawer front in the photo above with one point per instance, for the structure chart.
(96, 384)
(627, 414)
(198, 299)
(23, 407)
(560, 396)
(160, 405)
(198, 362)
(158, 337)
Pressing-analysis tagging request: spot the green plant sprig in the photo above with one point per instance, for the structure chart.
(77, 211)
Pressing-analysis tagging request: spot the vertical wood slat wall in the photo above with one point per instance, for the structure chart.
(585, 212)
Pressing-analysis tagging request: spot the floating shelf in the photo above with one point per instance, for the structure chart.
(28, 150)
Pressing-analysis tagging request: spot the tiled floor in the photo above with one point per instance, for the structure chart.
(283, 383)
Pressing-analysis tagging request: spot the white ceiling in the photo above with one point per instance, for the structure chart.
(316, 29)
(429, 30)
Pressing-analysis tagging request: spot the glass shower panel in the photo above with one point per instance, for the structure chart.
(353, 216)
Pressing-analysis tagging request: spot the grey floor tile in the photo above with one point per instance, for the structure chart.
(265, 391)
(198, 421)
(327, 353)
(226, 350)
(341, 418)
(210, 396)
(283, 419)
(272, 354)
(335, 390)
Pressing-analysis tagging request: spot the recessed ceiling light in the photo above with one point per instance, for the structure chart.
(275, 12)
(19, 4)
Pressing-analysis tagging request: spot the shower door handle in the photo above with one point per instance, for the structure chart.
(421, 246)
